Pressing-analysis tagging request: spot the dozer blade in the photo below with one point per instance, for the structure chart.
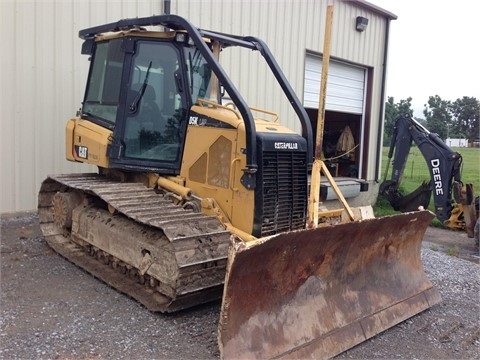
(316, 293)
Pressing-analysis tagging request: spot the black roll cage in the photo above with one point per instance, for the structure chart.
(176, 22)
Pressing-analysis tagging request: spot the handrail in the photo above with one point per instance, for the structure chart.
(202, 101)
(271, 113)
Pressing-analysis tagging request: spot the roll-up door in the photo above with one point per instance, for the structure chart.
(345, 85)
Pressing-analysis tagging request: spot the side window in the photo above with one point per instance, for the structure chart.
(154, 107)
(199, 74)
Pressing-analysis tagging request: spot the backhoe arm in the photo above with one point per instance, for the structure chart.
(443, 164)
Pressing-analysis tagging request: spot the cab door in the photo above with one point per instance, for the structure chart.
(151, 123)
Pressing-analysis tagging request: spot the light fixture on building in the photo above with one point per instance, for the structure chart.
(361, 23)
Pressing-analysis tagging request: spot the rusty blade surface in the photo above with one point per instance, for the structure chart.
(316, 293)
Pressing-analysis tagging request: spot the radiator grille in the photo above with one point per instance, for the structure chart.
(284, 186)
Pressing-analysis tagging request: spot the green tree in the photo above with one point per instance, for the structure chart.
(466, 114)
(392, 111)
(438, 116)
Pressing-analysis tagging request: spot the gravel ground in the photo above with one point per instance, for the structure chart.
(51, 309)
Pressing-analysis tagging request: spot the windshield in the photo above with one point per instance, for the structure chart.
(103, 88)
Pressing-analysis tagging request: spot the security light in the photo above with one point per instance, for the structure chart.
(361, 23)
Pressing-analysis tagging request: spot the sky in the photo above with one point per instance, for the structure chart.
(434, 50)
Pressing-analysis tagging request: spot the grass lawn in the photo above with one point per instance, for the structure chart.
(416, 171)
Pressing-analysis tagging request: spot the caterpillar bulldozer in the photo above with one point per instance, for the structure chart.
(195, 201)
(455, 203)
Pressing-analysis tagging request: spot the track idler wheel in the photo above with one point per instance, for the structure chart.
(63, 205)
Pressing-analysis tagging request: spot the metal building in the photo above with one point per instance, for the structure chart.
(43, 76)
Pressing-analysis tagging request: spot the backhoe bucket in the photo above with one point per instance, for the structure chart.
(410, 202)
(316, 293)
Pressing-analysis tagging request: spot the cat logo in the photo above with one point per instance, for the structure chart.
(81, 151)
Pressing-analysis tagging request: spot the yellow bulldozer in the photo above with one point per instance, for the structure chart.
(195, 201)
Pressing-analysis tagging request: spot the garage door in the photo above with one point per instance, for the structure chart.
(345, 85)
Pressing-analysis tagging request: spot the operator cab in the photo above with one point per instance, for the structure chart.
(142, 88)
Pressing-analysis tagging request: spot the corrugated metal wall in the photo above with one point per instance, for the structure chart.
(43, 80)
(43, 73)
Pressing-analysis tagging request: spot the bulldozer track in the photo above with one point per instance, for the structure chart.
(194, 245)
